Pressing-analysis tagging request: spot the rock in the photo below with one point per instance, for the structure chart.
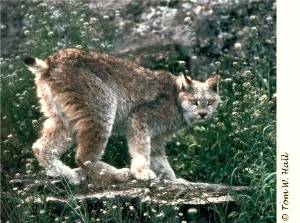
(156, 34)
(183, 194)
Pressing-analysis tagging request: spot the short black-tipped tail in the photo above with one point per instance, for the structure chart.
(36, 65)
(30, 61)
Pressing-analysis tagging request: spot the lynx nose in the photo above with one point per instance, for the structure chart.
(202, 113)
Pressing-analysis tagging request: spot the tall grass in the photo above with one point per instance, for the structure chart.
(236, 148)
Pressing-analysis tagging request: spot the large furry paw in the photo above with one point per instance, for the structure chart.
(140, 168)
(58, 169)
(144, 174)
(73, 178)
(123, 175)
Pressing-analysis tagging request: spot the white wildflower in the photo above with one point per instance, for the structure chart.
(253, 17)
(181, 62)
(218, 63)
(160, 215)
(192, 211)
(256, 114)
(238, 46)
(246, 84)
(269, 19)
(93, 20)
(51, 33)
(246, 73)
(9, 136)
(187, 19)
(263, 98)
(256, 58)
(254, 29)
(236, 103)
(234, 113)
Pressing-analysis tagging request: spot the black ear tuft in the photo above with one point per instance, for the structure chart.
(29, 61)
(213, 82)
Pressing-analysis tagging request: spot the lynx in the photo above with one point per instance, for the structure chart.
(87, 95)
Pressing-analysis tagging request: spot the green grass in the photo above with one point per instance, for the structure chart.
(236, 148)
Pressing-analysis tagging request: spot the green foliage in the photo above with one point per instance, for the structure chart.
(237, 147)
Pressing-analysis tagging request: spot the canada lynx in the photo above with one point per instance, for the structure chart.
(87, 95)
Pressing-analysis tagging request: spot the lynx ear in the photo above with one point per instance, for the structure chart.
(184, 82)
(213, 82)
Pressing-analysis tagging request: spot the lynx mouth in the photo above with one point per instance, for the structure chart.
(202, 119)
(197, 121)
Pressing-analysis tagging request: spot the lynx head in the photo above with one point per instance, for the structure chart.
(198, 100)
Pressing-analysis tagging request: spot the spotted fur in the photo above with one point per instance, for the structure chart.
(86, 95)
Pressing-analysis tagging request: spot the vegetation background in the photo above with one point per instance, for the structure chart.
(237, 147)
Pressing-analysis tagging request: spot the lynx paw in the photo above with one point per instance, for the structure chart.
(57, 168)
(123, 175)
(144, 174)
(140, 168)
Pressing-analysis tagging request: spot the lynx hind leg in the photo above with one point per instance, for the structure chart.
(92, 134)
(53, 143)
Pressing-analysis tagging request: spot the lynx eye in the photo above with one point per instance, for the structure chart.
(194, 102)
(211, 101)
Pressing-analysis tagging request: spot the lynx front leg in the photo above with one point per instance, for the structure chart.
(159, 162)
(138, 138)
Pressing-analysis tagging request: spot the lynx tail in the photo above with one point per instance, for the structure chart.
(35, 65)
